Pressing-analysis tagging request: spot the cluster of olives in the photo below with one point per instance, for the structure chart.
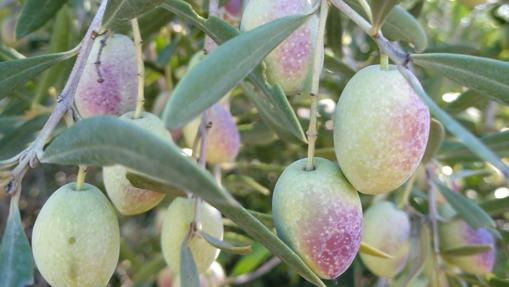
(381, 131)
(76, 239)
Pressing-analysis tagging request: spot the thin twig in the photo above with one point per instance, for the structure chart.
(138, 42)
(312, 132)
(30, 156)
(262, 270)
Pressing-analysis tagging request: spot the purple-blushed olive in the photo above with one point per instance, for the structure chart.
(319, 215)
(223, 137)
(456, 233)
(381, 129)
(291, 63)
(109, 83)
(76, 238)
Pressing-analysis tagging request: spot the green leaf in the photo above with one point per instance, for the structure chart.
(222, 70)
(106, 141)
(487, 76)
(272, 103)
(466, 250)
(251, 261)
(436, 138)
(16, 266)
(373, 251)
(496, 206)
(17, 72)
(475, 216)
(145, 182)
(399, 26)
(62, 39)
(402, 26)
(18, 139)
(121, 11)
(35, 14)
(464, 135)
(188, 272)
(225, 245)
(457, 151)
(381, 10)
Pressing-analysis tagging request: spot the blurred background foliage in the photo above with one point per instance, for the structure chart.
(472, 27)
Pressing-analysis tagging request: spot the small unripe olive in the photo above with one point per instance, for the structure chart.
(381, 129)
(387, 229)
(291, 63)
(319, 215)
(176, 226)
(130, 200)
(108, 85)
(76, 238)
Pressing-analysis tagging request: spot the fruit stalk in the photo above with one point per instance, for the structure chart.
(312, 132)
(140, 99)
(80, 179)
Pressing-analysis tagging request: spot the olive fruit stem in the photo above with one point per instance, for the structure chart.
(384, 62)
(80, 179)
(312, 132)
(30, 156)
(138, 42)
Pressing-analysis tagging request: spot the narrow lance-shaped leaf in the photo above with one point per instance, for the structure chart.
(466, 250)
(274, 108)
(475, 216)
(16, 72)
(35, 14)
(225, 245)
(380, 11)
(373, 251)
(16, 266)
(222, 70)
(119, 11)
(487, 76)
(399, 25)
(436, 138)
(188, 272)
(106, 141)
(457, 151)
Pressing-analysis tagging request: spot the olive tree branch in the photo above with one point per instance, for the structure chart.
(31, 155)
(312, 133)
(140, 98)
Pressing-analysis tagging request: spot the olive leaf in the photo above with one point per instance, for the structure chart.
(15, 141)
(17, 72)
(435, 140)
(474, 215)
(16, 266)
(381, 10)
(373, 251)
(188, 272)
(103, 141)
(457, 151)
(486, 76)
(225, 245)
(496, 206)
(399, 25)
(271, 101)
(146, 182)
(467, 250)
(119, 11)
(35, 14)
(222, 70)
